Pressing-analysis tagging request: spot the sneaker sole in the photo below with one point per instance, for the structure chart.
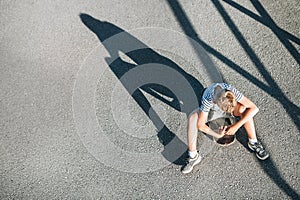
(262, 158)
(250, 147)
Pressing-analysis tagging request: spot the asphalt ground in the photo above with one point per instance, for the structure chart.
(94, 98)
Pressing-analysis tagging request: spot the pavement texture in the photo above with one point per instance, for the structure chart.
(94, 98)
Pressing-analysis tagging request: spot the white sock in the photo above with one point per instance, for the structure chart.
(252, 141)
(192, 154)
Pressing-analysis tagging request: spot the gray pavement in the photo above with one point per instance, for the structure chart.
(82, 116)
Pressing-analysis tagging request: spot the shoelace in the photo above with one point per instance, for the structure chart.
(259, 148)
(188, 161)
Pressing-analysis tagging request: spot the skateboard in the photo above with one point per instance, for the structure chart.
(227, 139)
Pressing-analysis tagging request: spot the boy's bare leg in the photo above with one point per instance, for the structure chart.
(194, 157)
(250, 129)
(192, 132)
(253, 144)
(249, 125)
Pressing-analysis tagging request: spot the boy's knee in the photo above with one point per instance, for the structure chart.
(193, 116)
(240, 111)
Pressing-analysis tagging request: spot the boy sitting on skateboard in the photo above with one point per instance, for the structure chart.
(219, 100)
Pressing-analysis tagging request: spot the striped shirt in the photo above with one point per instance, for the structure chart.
(207, 97)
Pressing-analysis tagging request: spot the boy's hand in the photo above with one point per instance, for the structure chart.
(231, 130)
(222, 131)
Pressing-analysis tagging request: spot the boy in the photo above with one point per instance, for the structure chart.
(219, 100)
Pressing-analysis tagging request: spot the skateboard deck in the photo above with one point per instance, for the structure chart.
(227, 139)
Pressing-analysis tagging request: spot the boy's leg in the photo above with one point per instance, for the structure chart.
(192, 134)
(253, 144)
(249, 125)
(250, 130)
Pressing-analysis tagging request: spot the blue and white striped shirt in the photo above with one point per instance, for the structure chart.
(207, 97)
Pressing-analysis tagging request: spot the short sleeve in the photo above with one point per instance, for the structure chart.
(206, 105)
(206, 100)
(238, 94)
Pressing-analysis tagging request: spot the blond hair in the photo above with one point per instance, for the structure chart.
(225, 99)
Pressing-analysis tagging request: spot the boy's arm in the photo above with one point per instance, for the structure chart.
(201, 124)
(249, 113)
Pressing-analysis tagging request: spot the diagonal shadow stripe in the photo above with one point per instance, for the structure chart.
(273, 26)
(263, 21)
(269, 166)
(273, 89)
(292, 109)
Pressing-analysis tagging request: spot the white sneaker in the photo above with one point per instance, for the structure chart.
(191, 162)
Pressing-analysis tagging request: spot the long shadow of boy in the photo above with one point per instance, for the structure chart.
(185, 102)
